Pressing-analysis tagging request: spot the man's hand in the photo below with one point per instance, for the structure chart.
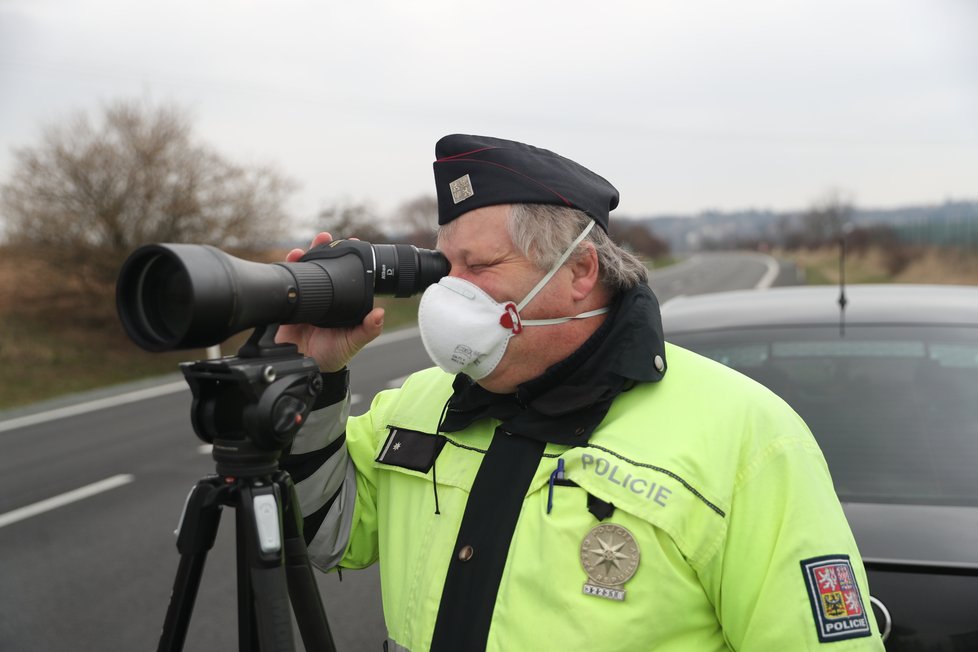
(331, 348)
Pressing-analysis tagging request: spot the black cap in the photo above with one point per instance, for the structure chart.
(476, 171)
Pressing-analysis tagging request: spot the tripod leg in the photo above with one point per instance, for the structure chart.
(306, 600)
(198, 529)
(247, 627)
(262, 567)
(310, 614)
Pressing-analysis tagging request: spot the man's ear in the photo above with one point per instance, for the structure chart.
(586, 272)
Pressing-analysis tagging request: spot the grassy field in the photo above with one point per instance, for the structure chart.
(55, 339)
(941, 266)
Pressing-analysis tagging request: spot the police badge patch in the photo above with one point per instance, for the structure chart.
(836, 602)
(609, 555)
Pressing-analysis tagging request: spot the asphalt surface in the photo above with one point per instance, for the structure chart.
(92, 487)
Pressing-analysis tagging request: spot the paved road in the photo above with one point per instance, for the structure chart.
(716, 272)
(91, 490)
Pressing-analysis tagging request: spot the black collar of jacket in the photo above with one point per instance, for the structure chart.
(568, 402)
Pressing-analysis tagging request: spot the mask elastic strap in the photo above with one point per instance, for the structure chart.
(553, 270)
(561, 320)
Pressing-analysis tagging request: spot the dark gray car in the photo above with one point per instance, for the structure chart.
(889, 387)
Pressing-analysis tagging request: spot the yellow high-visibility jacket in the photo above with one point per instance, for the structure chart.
(713, 524)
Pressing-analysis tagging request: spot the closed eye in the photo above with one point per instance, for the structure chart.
(478, 265)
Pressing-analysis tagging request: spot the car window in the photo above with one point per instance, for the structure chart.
(895, 409)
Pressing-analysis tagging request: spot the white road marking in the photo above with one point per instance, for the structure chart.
(65, 499)
(153, 392)
(91, 406)
(395, 336)
(772, 273)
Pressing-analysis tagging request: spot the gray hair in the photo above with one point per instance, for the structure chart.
(542, 232)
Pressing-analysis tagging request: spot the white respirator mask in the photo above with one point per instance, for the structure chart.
(464, 330)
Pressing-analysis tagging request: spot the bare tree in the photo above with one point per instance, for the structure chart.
(88, 194)
(418, 219)
(639, 238)
(351, 220)
(826, 217)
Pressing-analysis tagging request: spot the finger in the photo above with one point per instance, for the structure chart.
(369, 329)
(323, 237)
(375, 320)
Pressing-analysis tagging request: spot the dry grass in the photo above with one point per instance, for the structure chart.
(922, 265)
(59, 335)
(941, 266)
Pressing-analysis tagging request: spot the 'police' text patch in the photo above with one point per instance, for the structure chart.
(836, 603)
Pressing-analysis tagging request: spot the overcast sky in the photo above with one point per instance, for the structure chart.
(685, 105)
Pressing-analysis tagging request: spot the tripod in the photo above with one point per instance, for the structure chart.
(250, 407)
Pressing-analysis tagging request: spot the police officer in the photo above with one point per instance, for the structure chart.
(553, 483)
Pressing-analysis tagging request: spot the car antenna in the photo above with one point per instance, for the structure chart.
(846, 228)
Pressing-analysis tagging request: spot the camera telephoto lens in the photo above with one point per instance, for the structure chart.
(166, 289)
(184, 296)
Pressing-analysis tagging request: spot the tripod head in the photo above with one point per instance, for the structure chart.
(250, 406)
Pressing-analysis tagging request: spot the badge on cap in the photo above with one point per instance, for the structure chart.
(461, 189)
(609, 555)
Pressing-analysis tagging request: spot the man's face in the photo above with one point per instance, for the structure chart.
(480, 250)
